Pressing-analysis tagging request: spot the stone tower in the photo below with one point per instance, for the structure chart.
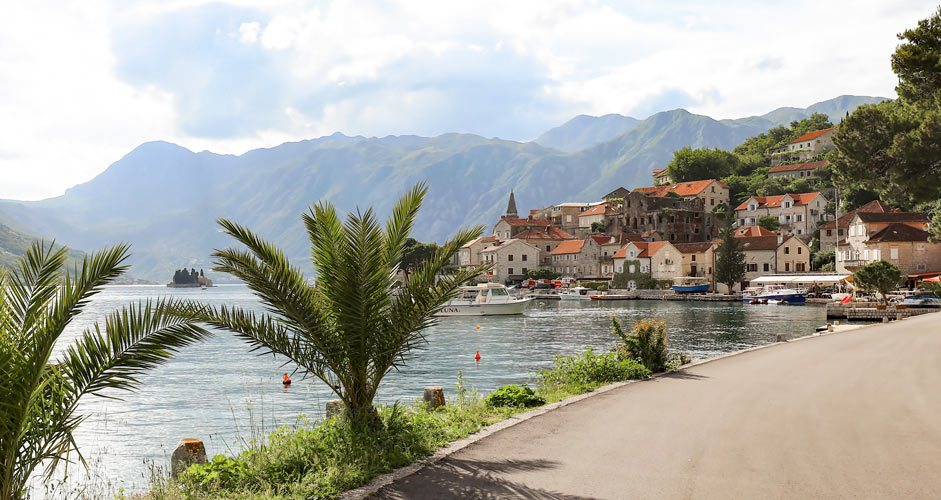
(511, 208)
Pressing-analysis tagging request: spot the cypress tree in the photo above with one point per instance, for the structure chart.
(730, 258)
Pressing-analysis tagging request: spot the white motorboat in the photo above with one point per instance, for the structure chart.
(776, 293)
(576, 293)
(485, 299)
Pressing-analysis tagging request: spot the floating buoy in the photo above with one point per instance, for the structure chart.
(477, 356)
(287, 380)
(478, 327)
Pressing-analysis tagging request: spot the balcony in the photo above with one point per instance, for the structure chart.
(854, 263)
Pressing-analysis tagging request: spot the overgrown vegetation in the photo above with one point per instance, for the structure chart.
(542, 274)
(514, 396)
(879, 276)
(647, 343)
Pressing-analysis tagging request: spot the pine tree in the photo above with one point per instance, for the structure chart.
(730, 258)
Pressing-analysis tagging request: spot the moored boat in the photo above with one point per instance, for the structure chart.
(773, 294)
(690, 284)
(485, 299)
(576, 293)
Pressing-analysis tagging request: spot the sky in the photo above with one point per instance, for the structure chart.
(83, 83)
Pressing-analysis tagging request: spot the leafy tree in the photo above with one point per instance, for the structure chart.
(823, 261)
(39, 397)
(542, 274)
(699, 164)
(880, 277)
(816, 121)
(723, 213)
(769, 222)
(415, 254)
(598, 227)
(892, 147)
(730, 258)
(349, 331)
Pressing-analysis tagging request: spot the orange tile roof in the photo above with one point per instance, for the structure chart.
(570, 246)
(659, 171)
(682, 188)
(525, 222)
(550, 233)
(653, 247)
(874, 206)
(749, 231)
(622, 253)
(799, 166)
(812, 135)
(775, 201)
(596, 210)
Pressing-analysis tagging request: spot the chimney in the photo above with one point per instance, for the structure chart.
(780, 237)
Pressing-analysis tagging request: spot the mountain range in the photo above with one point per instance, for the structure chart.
(164, 199)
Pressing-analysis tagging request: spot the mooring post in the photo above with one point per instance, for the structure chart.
(187, 452)
(434, 397)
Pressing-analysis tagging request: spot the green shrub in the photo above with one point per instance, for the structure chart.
(514, 396)
(594, 285)
(590, 369)
(647, 343)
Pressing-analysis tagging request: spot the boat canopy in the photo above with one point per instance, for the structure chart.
(820, 279)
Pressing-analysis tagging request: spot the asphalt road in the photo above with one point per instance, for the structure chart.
(848, 415)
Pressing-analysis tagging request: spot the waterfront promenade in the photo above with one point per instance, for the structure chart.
(847, 415)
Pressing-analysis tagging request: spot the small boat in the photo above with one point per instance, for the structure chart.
(753, 295)
(485, 299)
(576, 293)
(690, 284)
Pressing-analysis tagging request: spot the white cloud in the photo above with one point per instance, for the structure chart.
(78, 90)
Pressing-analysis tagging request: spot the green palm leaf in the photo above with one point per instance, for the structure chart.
(349, 331)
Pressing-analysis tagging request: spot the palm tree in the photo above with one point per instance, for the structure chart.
(39, 395)
(350, 330)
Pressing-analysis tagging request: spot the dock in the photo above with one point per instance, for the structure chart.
(868, 311)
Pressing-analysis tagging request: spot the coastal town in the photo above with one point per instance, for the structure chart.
(669, 231)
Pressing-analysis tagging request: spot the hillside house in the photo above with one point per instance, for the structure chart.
(660, 177)
(596, 214)
(469, 254)
(546, 240)
(710, 191)
(777, 254)
(834, 231)
(617, 194)
(564, 215)
(697, 258)
(804, 147)
(511, 260)
(631, 252)
(666, 262)
(797, 213)
(806, 171)
(507, 228)
(900, 238)
(577, 258)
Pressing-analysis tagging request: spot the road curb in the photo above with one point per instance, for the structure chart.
(386, 479)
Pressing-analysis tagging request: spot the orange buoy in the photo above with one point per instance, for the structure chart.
(287, 380)
(478, 327)
(477, 356)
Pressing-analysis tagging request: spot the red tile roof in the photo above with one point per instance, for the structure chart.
(754, 243)
(844, 220)
(659, 171)
(693, 247)
(549, 233)
(597, 210)
(899, 232)
(652, 248)
(775, 201)
(892, 217)
(570, 246)
(682, 188)
(750, 231)
(525, 222)
(799, 166)
(812, 135)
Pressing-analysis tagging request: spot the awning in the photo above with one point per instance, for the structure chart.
(820, 279)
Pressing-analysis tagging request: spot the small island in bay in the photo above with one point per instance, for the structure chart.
(189, 279)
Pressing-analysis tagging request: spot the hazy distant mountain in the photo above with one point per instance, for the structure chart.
(14, 243)
(164, 198)
(835, 108)
(583, 131)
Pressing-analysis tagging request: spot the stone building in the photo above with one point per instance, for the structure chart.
(661, 177)
(577, 258)
(546, 240)
(834, 231)
(804, 147)
(665, 218)
(806, 171)
(469, 254)
(697, 258)
(776, 254)
(511, 260)
(599, 214)
(900, 238)
(710, 191)
(564, 215)
(797, 213)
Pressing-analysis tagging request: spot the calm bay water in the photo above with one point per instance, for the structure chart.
(219, 392)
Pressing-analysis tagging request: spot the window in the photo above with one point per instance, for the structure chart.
(509, 271)
(694, 259)
(525, 270)
(829, 232)
(712, 201)
(509, 257)
(894, 253)
(799, 267)
(753, 268)
(787, 267)
(547, 248)
(713, 189)
(798, 252)
(787, 249)
(800, 218)
(767, 267)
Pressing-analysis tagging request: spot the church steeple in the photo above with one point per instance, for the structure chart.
(511, 208)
